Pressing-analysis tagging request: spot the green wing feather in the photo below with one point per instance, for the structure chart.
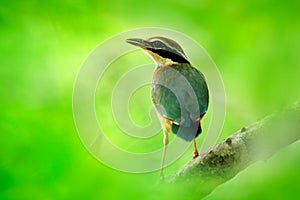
(167, 103)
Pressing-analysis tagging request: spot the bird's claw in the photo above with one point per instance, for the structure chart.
(195, 155)
(161, 177)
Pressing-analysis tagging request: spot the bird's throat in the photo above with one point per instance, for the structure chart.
(160, 61)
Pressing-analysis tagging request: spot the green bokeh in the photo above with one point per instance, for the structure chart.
(255, 44)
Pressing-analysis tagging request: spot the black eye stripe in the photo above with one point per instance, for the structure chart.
(157, 44)
(169, 54)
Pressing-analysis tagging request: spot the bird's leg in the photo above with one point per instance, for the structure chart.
(166, 142)
(195, 154)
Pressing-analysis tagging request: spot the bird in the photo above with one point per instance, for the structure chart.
(179, 91)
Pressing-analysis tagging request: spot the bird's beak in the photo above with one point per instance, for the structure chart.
(138, 42)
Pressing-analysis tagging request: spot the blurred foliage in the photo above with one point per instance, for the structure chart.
(255, 44)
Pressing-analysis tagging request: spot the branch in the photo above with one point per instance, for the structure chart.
(250, 144)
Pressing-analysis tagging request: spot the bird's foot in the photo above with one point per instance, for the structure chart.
(161, 177)
(195, 154)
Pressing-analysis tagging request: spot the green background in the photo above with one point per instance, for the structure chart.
(255, 44)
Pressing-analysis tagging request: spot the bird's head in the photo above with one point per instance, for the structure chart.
(164, 51)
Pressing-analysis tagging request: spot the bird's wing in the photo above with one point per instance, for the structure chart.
(166, 103)
(171, 88)
(199, 89)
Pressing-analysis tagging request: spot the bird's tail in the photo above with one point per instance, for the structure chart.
(187, 133)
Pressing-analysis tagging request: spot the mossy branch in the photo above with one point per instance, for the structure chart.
(250, 144)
